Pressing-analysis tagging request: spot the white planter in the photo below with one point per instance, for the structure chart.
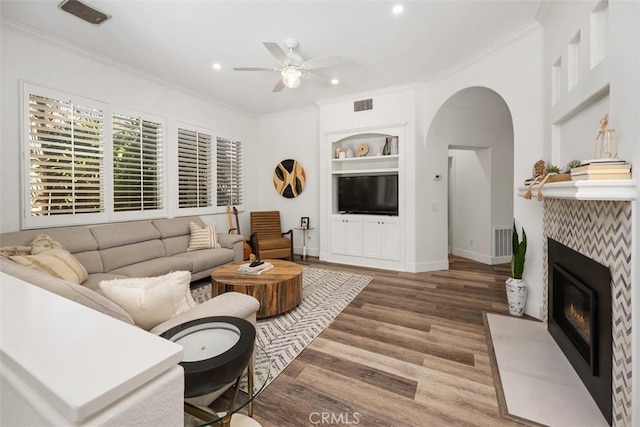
(516, 296)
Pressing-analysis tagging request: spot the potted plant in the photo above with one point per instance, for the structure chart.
(515, 285)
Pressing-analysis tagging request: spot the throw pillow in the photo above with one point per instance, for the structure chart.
(56, 262)
(151, 300)
(44, 243)
(8, 251)
(203, 237)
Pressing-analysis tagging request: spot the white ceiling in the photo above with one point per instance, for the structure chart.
(177, 41)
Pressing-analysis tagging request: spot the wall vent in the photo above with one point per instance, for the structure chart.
(84, 11)
(363, 105)
(502, 241)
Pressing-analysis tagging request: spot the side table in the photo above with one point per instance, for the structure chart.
(304, 240)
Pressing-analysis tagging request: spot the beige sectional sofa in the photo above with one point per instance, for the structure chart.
(136, 249)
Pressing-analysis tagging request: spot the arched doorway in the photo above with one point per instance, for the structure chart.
(476, 127)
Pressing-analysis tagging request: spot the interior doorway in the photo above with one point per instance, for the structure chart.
(475, 126)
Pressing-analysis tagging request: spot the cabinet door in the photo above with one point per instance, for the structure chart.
(353, 236)
(372, 238)
(390, 240)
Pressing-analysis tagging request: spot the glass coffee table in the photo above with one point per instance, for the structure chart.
(220, 413)
(217, 351)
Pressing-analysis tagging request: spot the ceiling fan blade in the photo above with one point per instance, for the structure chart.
(325, 61)
(277, 51)
(254, 69)
(279, 86)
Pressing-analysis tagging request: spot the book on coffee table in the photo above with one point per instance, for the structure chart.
(257, 270)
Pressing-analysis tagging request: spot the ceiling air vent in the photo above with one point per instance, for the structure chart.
(363, 105)
(83, 11)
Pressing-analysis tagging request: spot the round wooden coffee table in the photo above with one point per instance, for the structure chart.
(278, 290)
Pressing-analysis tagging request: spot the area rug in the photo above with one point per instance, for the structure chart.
(325, 294)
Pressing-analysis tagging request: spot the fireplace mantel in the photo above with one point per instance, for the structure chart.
(618, 189)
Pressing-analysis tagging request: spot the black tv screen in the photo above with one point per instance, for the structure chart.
(368, 194)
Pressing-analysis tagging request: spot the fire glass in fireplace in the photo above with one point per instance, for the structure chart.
(580, 318)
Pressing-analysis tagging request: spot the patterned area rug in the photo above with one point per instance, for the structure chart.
(325, 294)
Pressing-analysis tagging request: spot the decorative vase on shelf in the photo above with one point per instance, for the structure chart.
(386, 150)
(394, 145)
(349, 152)
(516, 287)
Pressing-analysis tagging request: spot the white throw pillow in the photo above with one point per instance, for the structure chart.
(203, 237)
(151, 300)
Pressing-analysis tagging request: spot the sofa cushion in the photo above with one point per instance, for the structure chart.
(121, 256)
(151, 300)
(56, 262)
(203, 237)
(73, 239)
(76, 293)
(154, 267)
(228, 240)
(124, 233)
(173, 227)
(206, 259)
(91, 260)
(176, 245)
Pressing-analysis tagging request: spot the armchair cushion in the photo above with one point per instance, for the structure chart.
(267, 238)
(151, 300)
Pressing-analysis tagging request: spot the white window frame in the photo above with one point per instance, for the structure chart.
(107, 214)
(206, 210)
(29, 221)
(239, 206)
(141, 214)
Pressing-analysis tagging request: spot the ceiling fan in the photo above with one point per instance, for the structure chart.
(292, 66)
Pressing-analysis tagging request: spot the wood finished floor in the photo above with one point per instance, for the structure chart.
(410, 350)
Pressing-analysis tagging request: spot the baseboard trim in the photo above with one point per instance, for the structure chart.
(473, 256)
(427, 266)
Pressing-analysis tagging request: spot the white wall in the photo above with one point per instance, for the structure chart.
(290, 136)
(514, 71)
(30, 57)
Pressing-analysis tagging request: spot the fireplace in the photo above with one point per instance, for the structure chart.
(580, 318)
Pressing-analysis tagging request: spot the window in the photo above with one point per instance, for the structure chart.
(65, 170)
(85, 164)
(137, 164)
(195, 169)
(229, 172)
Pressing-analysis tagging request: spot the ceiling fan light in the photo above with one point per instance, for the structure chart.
(291, 77)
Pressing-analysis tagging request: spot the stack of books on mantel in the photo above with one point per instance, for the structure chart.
(257, 270)
(602, 169)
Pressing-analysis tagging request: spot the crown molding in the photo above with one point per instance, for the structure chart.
(44, 37)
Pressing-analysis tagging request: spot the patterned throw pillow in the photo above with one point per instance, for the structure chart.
(8, 251)
(56, 262)
(203, 237)
(151, 300)
(43, 243)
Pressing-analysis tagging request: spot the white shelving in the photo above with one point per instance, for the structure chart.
(614, 189)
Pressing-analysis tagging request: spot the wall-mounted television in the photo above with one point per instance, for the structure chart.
(368, 194)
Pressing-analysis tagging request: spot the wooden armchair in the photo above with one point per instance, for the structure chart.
(267, 238)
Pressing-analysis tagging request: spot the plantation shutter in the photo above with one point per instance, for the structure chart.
(137, 164)
(230, 172)
(195, 165)
(66, 157)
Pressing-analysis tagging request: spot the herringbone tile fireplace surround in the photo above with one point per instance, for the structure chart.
(600, 230)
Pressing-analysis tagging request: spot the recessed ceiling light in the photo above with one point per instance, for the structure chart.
(398, 9)
(217, 66)
(335, 81)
